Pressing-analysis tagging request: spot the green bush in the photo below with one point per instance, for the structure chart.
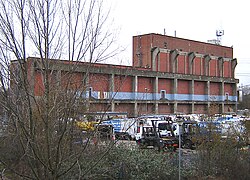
(122, 163)
(216, 159)
(222, 159)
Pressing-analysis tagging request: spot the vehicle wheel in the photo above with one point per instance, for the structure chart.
(188, 144)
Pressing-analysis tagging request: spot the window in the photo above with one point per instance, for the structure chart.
(226, 96)
(90, 91)
(164, 126)
(163, 94)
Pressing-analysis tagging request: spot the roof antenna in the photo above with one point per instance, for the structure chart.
(219, 34)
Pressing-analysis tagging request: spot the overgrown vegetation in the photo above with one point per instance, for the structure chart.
(224, 156)
(213, 159)
(39, 140)
(122, 163)
(223, 160)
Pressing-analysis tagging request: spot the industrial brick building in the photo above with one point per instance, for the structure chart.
(168, 75)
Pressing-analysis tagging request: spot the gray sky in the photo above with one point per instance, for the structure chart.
(191, 19)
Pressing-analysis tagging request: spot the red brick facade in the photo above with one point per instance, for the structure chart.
(168, 75)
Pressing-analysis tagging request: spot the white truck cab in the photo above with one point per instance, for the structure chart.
(163, 125)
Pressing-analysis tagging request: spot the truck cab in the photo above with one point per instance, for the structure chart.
(157, 132)
(163, 125)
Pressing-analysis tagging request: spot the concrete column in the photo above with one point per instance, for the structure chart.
(87, 88)
(222, 96)
(208, 95)
(135, 90)
(112, 83)
(207, 59)
(159, 62)
(191, 89)
(175, 107)
(156, 87)
(192, 108)
(175, 88)
(192, 94)
(86, 79)
(191, 57)
(185, 62)
(201, 67)
(173, 58)
(168, 63)
(208, 90)
(136, 109)
(235, 94)
(111, 90)
(220, 66)
(154, 53)
(156, 91)
(233, 64)
(175, 94)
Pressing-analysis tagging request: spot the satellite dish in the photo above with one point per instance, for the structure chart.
(219, 33)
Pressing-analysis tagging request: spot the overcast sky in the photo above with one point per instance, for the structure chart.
(191, 19)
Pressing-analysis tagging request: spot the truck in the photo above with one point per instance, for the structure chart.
(163, 124)
(86, 130)
(156, 131)
(124, 128)
(194, 133)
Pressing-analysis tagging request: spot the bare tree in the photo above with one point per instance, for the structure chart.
(39, 143)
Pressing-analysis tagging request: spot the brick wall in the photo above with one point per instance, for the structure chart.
(142, 54)
(99, 82)
(214, 88)
(181, 65)
(183, 87)
(145, 85)
(183, 108)
(165, 108)
(228, 88)
(123, 83)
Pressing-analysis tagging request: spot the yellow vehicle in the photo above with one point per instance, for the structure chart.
(86, 126)
(99, 131)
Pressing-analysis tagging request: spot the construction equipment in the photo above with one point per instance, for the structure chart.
(94, 130)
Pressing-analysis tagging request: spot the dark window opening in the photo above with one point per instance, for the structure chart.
(226, 96)
(90, 91)
(163, 94)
